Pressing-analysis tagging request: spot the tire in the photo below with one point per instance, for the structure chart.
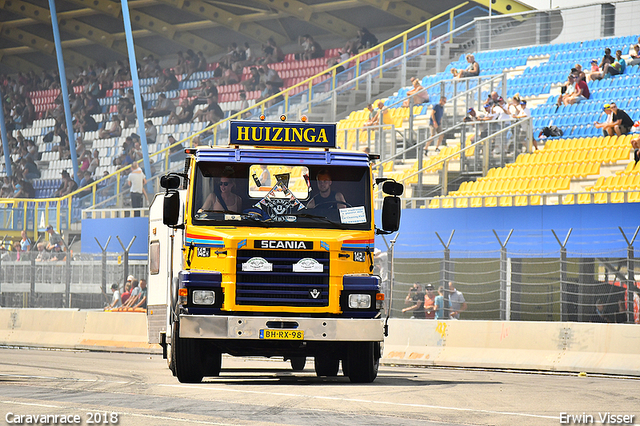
(298, 363)
(326, 366)
(363, 360)
(187, 358)
(212, 361)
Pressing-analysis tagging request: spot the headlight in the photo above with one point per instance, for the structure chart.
(359, 301)
(203, 297)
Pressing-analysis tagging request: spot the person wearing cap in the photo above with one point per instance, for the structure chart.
(606, 126)
(54, 239)
(116, 300)
(595, 73)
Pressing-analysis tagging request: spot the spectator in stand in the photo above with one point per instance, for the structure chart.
(24, 189)
(113, 131)
(472, 70)
(606, 126)
(635, 144)
(85, 122)
(567, 89)
(418, 94)
(166, 81)
(272, 53)
(375, 117)
(86, 180)
(67, 186)
(207, 89)
(312, 48)
(186, 112)
(622, 123)
(253, 82)
(7, 188)
(248, 53)
(91, 105)
(135, 291)
(29, 169)
(176, 152)
(84, 161)
(95, 162)
(617, 67)
(492, 99)
(634, 53)
(606, 59)
(181, 65)
(581, 92)
(141, 301)
(212, 113)
(126, 111)
(244, 104)
(25, 242)
(150, 131)
(43, 255)
(116, 301)
(436, 123)
(523, 113)
(163, 108)
(366, 39)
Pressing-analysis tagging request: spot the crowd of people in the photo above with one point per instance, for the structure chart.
(427, 303)
(131, 295)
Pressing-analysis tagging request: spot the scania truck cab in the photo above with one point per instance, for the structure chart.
(265, 248)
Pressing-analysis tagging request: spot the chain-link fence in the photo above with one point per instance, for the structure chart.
(515, 284)
(41, 279)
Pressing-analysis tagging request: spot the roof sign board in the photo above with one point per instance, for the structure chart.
(261, 133)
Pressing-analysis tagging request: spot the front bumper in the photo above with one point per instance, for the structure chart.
(248, 328)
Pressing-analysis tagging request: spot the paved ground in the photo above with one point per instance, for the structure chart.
(140, 390)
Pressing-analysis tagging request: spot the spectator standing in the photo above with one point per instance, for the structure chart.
(429, 302)
(25, 242)
(136, 182)
(415, 298)
(141, 301)
(458, 303)
(435, 122)
(366, 39)
(439, 303)
(54, 238)
(126, 293)
(135, 291)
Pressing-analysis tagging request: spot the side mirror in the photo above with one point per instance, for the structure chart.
(391, 213)
(391, 187)
(171, 208)
(170, 181)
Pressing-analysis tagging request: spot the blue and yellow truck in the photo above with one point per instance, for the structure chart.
(265, 247)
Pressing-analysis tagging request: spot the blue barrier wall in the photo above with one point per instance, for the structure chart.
(125, 228)
(595, 231)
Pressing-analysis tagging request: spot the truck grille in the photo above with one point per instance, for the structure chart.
(282, 286)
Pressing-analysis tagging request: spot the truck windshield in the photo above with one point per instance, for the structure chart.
(238, 194)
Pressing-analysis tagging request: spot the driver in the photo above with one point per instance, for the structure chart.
(223, 198)
(326, 199)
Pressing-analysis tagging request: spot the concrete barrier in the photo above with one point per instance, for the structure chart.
(74, 329)
(592, 348)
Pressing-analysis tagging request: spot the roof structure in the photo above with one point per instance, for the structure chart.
(92, 30)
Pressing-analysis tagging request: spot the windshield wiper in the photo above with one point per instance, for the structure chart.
(313, 216)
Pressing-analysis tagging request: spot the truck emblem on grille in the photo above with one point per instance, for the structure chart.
(308, 265)
(314, 293)
(257, 264)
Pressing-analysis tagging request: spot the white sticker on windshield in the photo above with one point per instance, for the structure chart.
(353, 215)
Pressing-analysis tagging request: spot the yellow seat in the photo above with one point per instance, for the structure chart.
(534, 200)
(568, 199)
(521, 200)
(600, 198)
(434, 203)
(634, 197)
(506, 201)
(617, 197)
(491, 202)
(462, 202)
(584, 198)
(476, 202)
(447, 203)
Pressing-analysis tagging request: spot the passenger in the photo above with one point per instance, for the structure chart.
(326, 199)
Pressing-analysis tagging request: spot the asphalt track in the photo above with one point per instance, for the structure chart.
(252, 391)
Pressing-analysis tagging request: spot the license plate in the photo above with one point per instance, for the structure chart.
(282, 334)
(204, 252)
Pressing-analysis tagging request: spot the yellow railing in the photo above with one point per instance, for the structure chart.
(188, 141)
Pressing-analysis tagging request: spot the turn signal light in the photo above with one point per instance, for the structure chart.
(379, 296)
(184, 292)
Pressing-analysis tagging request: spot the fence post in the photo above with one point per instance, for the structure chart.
(563, 273)
(631, 279)
(505, 279)
(126, 256)
(67, 283)
(439, 58)
(104, 263)
(446, 271)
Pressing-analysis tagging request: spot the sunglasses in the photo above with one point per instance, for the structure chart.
(224, 184)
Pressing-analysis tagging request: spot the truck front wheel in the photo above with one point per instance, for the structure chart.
(298, 363)
(363, 359)
(187, 357)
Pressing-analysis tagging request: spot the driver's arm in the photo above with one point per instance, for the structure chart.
(208, 203)
(341, 201)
